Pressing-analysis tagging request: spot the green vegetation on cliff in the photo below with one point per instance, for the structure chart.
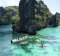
(30, 16)
(58, 18)
(42, 13)
(33, 16)
(4, 16)
(13, 12)
(9, 15)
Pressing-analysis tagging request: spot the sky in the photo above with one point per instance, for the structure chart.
(53, 5)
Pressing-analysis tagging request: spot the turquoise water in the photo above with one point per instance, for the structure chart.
(49, 36)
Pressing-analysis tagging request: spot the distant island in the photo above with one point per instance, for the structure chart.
(30, 16)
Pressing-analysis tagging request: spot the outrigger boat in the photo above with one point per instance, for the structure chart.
(19, 39)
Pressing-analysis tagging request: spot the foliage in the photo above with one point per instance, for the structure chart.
(9, 14)
(13, 12)
(4, 17)
(58, 18)
(42, 13)
(33, 16)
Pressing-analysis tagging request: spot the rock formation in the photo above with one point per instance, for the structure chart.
(34, 16)
(52, 21)
(27, 16)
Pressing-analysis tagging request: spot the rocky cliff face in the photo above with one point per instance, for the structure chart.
(52, 21)
(33, 16)
(27, 17)
(57, 15)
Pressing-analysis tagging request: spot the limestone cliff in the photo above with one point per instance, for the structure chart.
(33, 16)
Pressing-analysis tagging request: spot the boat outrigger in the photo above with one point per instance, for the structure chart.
(19, 39)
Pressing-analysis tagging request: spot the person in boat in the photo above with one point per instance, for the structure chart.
(21, 38)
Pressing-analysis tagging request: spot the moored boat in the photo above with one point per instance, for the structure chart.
(19, 39)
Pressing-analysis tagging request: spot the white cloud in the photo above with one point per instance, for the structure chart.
(9, 2)
(52, 5)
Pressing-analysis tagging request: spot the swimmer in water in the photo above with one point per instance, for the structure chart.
(42, 45)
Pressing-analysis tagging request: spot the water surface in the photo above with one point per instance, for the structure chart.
(50, 37)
